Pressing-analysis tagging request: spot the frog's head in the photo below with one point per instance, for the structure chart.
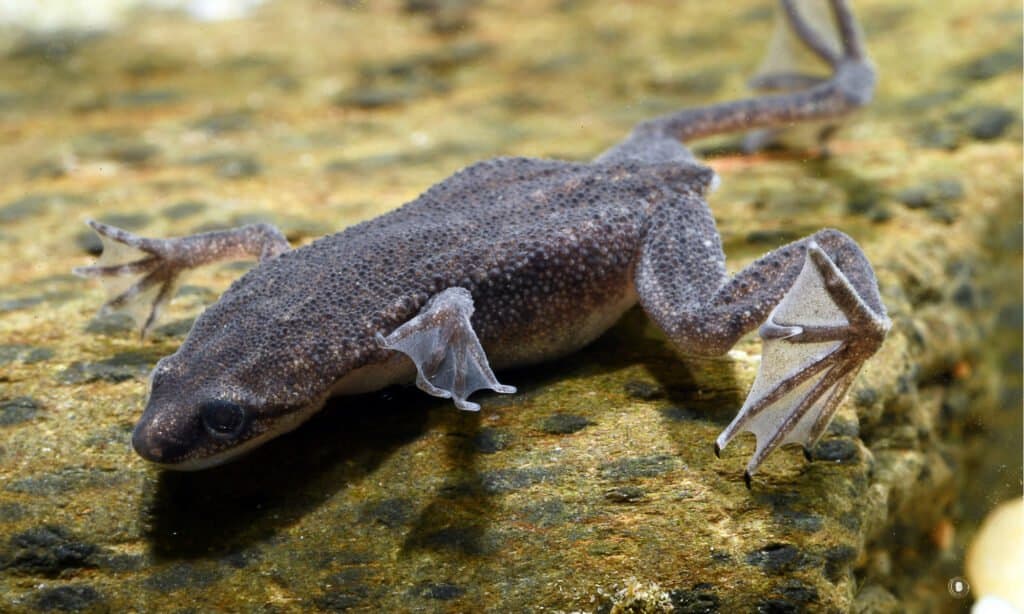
(239, 379)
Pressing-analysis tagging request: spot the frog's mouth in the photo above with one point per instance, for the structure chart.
(167, 442)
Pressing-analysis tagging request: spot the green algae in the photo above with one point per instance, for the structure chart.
(594, 488)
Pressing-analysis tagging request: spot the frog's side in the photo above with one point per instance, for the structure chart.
(510, 261)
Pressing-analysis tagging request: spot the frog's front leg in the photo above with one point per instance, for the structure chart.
(141, 274)
(450, 362)
(818, 298)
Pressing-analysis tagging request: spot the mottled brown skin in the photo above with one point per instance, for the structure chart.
(551, 252)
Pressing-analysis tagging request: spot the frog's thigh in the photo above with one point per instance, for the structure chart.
(450, 362)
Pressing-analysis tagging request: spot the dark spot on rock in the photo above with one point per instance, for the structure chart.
(838, 560)
(115, 324)
(637, 467)
(644, 390)
(441, 591)
(89, 242)
(184, 209)
(991, 65)
(801, 521)
(490, 440)
(343, 600)
(700, 599)
(62, 481)
(777, 558)
(938, 135)
(11, 512)
(128, 221)
(147, 98)
(986, 122)
(965, 297)
(564, 424)
(175, 329)
(467, 540)
(17, 410)
(46, 169)
(240, 559)
(624, 494)
(32, 205)
(844, 428)
(182, 575)
(224, 123)
(838, 450)
(777, 606)
(52, 48)
(27, 354)
(133, 364)
(797, 592)
(932, 194)
(866, 397)
(549, 513)
(702, 83)
(70, 598)
(679, 414)
(391, 512)
(508, 480)
(121, 563)
(48, 551)
(939, 99)
(121, 146)
(229, 165)
(374, 98)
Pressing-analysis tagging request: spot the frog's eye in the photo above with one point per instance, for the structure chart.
(223, 419)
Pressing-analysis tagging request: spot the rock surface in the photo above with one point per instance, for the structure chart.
(594, 488)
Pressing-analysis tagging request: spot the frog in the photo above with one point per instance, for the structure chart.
(510, 262)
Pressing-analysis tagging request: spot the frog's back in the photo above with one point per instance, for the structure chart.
(541, 245)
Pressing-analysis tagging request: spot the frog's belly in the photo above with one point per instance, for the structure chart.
(512, 350)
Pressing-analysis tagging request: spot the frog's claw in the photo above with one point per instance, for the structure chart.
(815, 341)
(450, 362)
(136, 272)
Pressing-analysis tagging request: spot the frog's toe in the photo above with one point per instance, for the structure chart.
(450, 362)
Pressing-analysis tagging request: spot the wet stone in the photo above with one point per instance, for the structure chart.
(777, 558)
(28, 354)
(183, 209)
(637, 467)
(838, 450)
(224, 123)
(489, 440)
(133, 364)
(991, 65)
(115, 324)
(441, 591)
(549, 513)
(644, 390)
(564, 424)
(392, 512)
(17, 410)
(624, 494)
(71, 598)
(986, 122)
(509, 480)
(182, 575)
(32, 205)
(700, 599)
(229, 165)
(48, 550)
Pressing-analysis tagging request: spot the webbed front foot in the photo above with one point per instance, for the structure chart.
(450, 362)
(815, 341)
(140, 275)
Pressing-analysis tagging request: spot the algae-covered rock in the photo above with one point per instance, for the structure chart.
(595, 487)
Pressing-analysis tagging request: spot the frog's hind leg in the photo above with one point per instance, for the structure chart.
(142, 274)
(818, 298)
(850, 86)
(450, 362)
